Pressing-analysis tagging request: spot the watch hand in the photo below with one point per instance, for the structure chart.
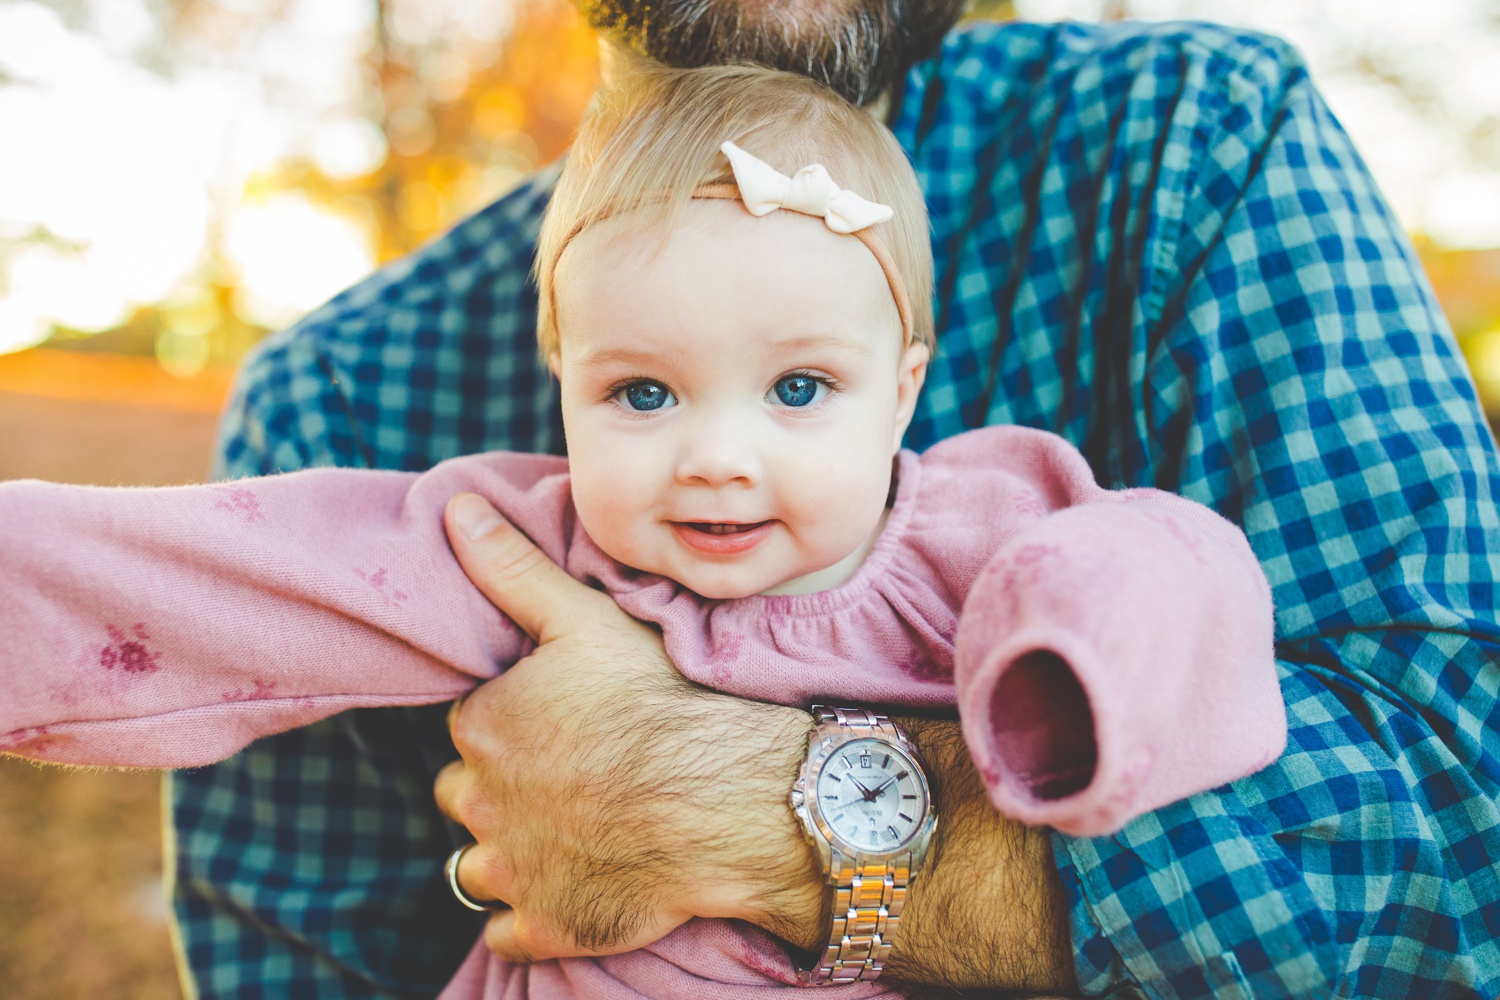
(869, 795)
(886, 784)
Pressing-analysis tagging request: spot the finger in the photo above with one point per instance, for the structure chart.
(481, 877)
(456, 708)
(516, 938)
(513, 573)
(482, 725)
(448, 790)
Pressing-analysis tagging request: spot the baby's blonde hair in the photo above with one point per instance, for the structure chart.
(653, 137)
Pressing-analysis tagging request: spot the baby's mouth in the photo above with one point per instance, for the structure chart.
(723, 539)
(715, 528)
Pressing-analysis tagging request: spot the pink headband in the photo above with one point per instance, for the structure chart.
(811, 191)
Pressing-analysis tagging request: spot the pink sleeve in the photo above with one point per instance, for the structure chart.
(171, 627)
(1115, 654)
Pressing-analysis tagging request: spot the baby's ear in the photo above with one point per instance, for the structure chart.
(554, 364)
(909, 386)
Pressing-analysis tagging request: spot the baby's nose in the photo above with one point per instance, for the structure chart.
(719, 453)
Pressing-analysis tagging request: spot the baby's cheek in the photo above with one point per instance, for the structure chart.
(842, 503)
(601, 510)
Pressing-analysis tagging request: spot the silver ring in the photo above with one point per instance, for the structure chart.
(450, 869)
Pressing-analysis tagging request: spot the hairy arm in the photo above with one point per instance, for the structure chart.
(988, 910)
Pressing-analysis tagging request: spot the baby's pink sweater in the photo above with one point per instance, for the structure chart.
(1107, 652)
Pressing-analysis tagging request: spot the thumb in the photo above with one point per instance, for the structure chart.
(511, 571)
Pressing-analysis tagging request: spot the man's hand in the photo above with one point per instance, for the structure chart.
(611, 798)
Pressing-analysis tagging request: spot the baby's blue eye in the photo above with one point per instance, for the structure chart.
(645, 395)
(799, 390)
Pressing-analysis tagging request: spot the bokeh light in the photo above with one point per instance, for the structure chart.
(289, 256)
(255, 155)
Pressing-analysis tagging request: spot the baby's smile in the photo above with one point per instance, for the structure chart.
(719, 538)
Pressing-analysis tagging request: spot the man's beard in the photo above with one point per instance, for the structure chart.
(860, 48)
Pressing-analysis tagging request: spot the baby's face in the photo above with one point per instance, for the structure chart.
(732, 404)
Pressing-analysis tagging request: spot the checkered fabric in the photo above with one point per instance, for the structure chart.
(1153, 240)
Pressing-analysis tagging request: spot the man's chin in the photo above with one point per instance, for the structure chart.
(860, 48)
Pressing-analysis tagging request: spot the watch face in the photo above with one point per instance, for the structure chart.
(871, 796)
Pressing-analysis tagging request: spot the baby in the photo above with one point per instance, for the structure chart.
(739, 352)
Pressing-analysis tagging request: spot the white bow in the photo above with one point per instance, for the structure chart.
(810, 191)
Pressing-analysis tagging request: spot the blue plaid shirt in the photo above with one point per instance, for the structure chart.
(1153, 240)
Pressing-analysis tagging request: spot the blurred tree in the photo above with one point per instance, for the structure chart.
(461, 130)
(457, 101)
(463, 115)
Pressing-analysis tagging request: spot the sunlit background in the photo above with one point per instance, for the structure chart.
(179, 177)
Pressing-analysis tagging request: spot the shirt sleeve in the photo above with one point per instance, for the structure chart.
(202, 617)
(1299, 376)
(1115, 653)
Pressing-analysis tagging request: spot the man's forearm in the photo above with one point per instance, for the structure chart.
(988, 910)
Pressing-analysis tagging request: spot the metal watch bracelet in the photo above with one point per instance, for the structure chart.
(869, 894)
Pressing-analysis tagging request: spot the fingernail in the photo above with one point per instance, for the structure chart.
(474, 516)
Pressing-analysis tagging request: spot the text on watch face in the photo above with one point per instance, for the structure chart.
(870, 796)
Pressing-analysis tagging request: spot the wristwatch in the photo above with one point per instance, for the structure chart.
(866, 808)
